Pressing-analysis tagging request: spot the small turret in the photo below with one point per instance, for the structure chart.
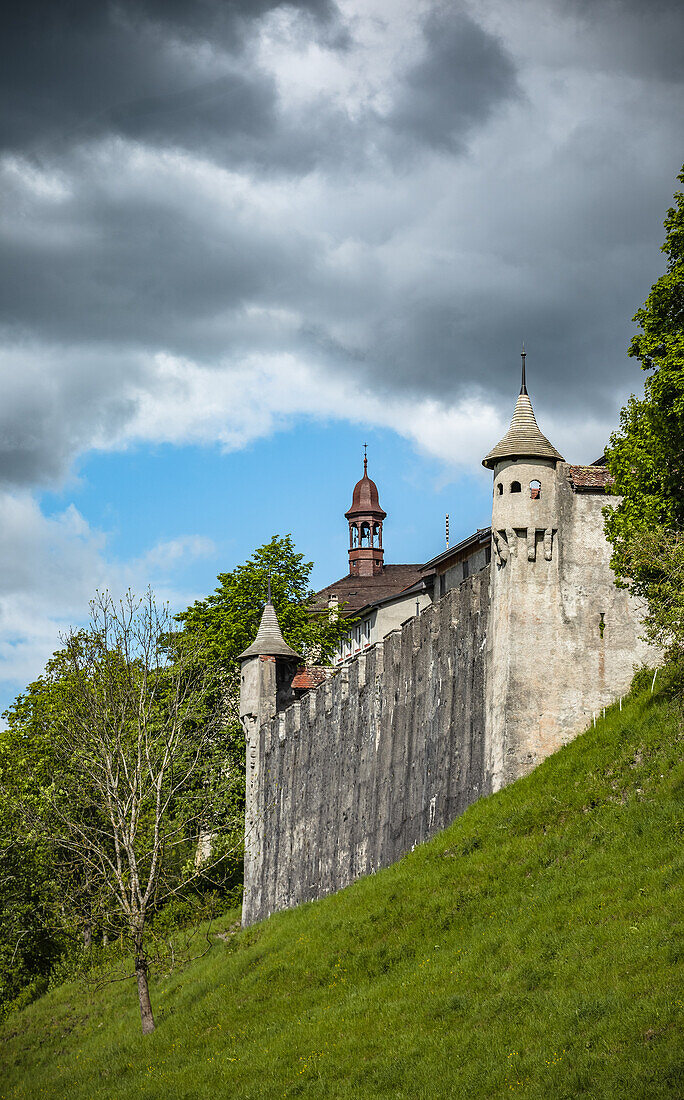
(269, 641)
(268, 667)
(524, 464)
(365, 518)
(523, 439)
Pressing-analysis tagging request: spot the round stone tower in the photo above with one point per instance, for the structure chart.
(267, 667)
(365, 518)
(525, 506)
(524, 596)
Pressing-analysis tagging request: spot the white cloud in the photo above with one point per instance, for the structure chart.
(234, 405)
(50, 567)
(174, 276)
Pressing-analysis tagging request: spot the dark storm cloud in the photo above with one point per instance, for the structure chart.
(70, 72)
(418, 268)
(139, 271)
(73, 70)
(633, 36)
(56, 403)
(136, 274)
(463, 76)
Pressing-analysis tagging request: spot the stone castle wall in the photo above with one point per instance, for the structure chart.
(563, 640)
(378, 758)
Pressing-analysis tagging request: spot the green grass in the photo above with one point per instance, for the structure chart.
(534, 948)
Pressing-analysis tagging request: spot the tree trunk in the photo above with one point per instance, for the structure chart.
(87, 937)
(146, 1016)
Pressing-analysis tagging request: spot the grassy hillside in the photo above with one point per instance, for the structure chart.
(534, 948)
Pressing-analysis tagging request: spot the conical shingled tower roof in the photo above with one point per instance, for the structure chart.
(269, 641)
(523, 439)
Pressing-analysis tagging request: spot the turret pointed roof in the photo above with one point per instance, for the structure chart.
(269, 641)
(523, 439)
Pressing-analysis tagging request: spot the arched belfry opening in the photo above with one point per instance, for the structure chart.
(365, 518)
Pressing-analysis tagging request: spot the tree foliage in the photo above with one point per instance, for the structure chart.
(35, 929)
(646, 453)
(137, 775)
(228, 619)
(125, 691)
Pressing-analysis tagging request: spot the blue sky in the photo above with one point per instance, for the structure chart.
(298, 480)
(238, 240)
(176, 516)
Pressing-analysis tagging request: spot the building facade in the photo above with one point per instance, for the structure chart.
(499, 652)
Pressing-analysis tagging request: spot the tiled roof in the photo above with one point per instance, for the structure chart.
(308, 678)
(357, 592)
(523, 439)
(589, 477)
(269, 641)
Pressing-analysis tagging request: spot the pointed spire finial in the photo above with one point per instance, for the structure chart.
(523, 439)
(365, 460)
(269, 587)
(269, 641)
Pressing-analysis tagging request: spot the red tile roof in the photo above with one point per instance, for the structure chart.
(357, 592)
(308, 678)
(585, 478)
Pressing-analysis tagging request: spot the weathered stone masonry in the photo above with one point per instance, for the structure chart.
(372, 762)
(466, 697)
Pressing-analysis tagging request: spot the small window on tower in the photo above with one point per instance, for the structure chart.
(535, 489)
(499, 488)
(515, 487)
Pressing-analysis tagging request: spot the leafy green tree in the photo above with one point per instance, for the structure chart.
(137, 774)
(227, 621)
(97, 701)
(35, 930)
(646, 453)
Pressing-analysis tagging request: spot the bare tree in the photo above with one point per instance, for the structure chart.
(140, 776)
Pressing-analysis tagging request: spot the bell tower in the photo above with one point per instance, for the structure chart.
(365, 518)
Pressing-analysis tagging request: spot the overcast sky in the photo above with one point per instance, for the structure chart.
(239, 237)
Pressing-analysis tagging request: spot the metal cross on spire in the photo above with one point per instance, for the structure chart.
(523, 387)
(365, 459)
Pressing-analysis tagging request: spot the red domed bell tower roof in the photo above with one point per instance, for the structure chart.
(365, 527)
(365, 496)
